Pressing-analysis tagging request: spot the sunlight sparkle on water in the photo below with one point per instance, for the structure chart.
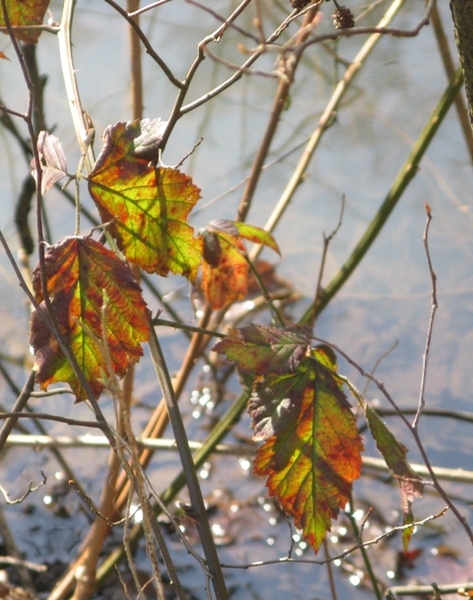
(358, 514)
(218, 530)
(245, 465)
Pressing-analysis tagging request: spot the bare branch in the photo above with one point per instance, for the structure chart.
(30, 490)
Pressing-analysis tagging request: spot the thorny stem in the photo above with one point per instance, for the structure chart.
(81, 122)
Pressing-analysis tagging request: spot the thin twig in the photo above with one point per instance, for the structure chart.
(433, 310)
(341, 555)
(144, 40)
(19, 405)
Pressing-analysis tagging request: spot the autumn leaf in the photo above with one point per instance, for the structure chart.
(394, 453)
(312, 449)
(225, 269)
(22, 14)
(53, 161)
(146, 208)
(97, 304)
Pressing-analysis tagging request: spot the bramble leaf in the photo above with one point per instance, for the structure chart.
(22, 14)
(395, 453)
(145, 207)
(312, 449)
(258, 349)
(225, 269)
(53, 161)
(98, 307)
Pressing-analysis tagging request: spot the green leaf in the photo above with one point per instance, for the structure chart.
(146, 208)
(23, 13)
(395, 453)
(259, 349)
(256, 235)
(312, 449)
(97, 305)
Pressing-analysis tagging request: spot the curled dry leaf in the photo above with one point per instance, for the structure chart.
(53, 161)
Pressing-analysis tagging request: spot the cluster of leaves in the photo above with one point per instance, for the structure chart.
(311, 451)
(312, 448)
(92, 291)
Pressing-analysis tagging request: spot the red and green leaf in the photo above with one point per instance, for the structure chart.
(146, 208)
(23, 14)
(312, 449)
(97, 304)
(225, 269)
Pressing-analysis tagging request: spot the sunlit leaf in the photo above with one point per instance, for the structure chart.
(394, 453)
(256, 235)
(225, 270)
(98, 307)
(23, 13)
(53, 161)
(146, 208)
(312, 449)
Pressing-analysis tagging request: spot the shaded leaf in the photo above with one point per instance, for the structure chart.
(146, 207)
(394, 453)
(259, 349)
(24, 13)
(146, 145)
(91, 291)
(53, 161)
(225, 269)
(312, 449)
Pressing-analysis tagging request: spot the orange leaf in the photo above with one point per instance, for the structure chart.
(24, 13)
(225, 270)
(97, 305)
(312, 449)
